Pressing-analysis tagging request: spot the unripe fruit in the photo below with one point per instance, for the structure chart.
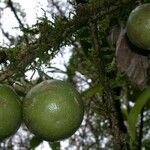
(52, 110)
(10, 112)
(138, 26)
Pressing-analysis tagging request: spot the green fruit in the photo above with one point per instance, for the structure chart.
(10, 112)
(138, 26)
(53, 110)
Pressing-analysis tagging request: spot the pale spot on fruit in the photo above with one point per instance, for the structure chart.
(53, 107)
(76, 100)
(57, 122)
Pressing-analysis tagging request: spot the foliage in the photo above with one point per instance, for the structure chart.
(92, 30)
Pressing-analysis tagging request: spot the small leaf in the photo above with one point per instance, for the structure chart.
(55, 146)
(34, 142)
(133, 115)
(97, 88)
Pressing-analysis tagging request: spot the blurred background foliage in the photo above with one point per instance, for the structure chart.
(89, 30)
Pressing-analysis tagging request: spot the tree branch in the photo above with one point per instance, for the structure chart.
(117, 132)
(10, 4)
(59, 34)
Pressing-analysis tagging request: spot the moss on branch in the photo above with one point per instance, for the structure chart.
(52, 36)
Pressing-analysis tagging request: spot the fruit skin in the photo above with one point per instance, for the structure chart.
(53, 110)
(10, 112)
(138, 26)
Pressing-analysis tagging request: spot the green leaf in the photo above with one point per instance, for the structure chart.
(55, 146)
(97, 88)
(34, 142)
(133, 115)
(146, 144)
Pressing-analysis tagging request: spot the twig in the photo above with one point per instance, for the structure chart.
(57, 7)
(11, 39)
(5, 75)
(139, 147)
(10, 4)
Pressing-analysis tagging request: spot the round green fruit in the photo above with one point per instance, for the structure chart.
(53, 110)
(138, 26)
(10, 112)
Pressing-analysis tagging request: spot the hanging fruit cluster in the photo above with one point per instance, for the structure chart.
(52, 110)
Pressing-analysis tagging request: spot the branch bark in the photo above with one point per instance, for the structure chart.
(119, 136)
